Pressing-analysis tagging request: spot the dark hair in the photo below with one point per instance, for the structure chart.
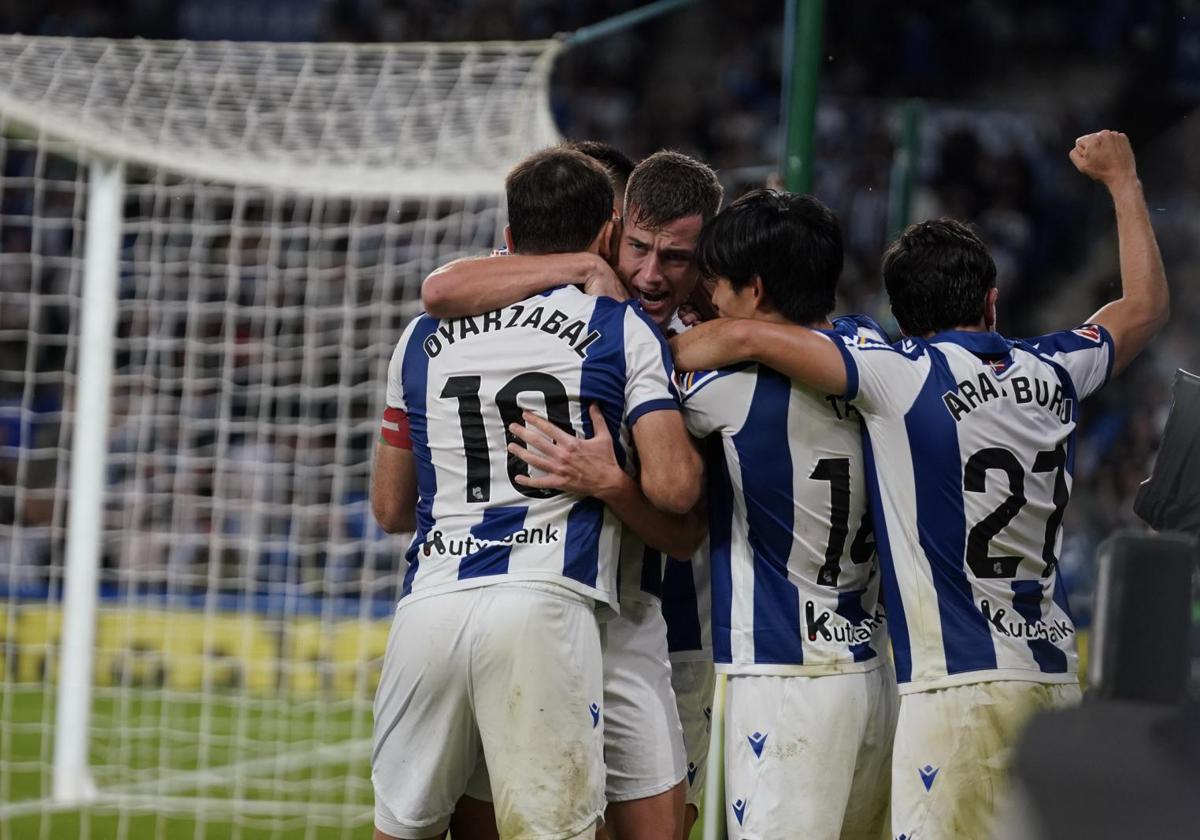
(937, 275)
(558, 200)
(667, 186)
(618, 165)
(793, 243)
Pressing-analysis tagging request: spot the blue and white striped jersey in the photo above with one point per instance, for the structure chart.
(970, 448)
(687, 605)
(685, 592)
(795, 587)
(463, 381)
(641, 568)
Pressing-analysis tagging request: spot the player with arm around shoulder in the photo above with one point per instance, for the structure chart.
(669, 196)
(504, 581)
(797, 623)
(971, 443)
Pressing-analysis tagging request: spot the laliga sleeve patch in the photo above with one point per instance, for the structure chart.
(395, 430)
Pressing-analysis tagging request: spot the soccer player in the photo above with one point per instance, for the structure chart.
(494, 653)
(797, 625)
(669, 196)
(970, 447)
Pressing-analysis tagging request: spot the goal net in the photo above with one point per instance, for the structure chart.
(271, 211)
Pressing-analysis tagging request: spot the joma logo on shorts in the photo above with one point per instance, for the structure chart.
(1022, 629)
(438, 543)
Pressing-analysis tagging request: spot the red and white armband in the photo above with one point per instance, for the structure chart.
(394, 429)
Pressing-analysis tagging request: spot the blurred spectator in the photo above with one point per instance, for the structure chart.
(263, 370)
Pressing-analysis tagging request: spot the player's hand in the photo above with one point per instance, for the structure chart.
(584, 466)
(602, 281)
(699, 306)
(1105, 156)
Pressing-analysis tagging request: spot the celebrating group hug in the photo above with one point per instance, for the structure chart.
(637, 444)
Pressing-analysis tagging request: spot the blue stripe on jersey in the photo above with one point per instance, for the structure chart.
(1060, 596)
(664, 351)
(941, 521)
(581, 560)
(1027, 601)
(897, 625)
(652, 571)
(1060, 587)
(651, 405)
(414, 374)
(680, 607)
(496, 524)
(720, 529)
(605, 357)
(850, 607)
(766, 465)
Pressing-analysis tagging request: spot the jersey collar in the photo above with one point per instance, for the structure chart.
(979, 343)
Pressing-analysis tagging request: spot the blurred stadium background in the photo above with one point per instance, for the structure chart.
(245, 591)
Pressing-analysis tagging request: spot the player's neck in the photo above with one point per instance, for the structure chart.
(981, 327)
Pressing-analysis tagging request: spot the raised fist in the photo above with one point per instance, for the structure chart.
(1105, 157)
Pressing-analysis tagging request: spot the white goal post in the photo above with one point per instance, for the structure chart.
(207, 253)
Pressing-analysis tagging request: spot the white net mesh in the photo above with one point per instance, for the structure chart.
(264, 279)
(336, 118)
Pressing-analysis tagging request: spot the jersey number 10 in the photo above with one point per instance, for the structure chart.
(475, 440)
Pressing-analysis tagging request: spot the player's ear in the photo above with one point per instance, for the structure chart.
(614, 239)
(989, 308)
(508, 240)
(603, 243)
(759, 292)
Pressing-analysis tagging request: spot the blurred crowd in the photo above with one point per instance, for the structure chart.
(1004, 87)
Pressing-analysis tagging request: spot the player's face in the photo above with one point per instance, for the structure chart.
(659, 266)
(734, 303)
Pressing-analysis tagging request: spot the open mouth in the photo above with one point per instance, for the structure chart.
(652, 298)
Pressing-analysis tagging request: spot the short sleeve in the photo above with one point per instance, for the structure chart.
(395, 377)
(1086, 353)
(882, 378)
(649, 373)
(709, 397)
(394, 427)
(395, 369)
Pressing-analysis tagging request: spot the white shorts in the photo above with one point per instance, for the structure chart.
(509, 674)
(694, 683)
(809, 753)
(643, 739)
(953, 747)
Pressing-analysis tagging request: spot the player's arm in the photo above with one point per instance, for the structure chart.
(669, 465)
(394, 489)
(797, 352)
(588, 467)
(476, 285)
(1144, 305)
